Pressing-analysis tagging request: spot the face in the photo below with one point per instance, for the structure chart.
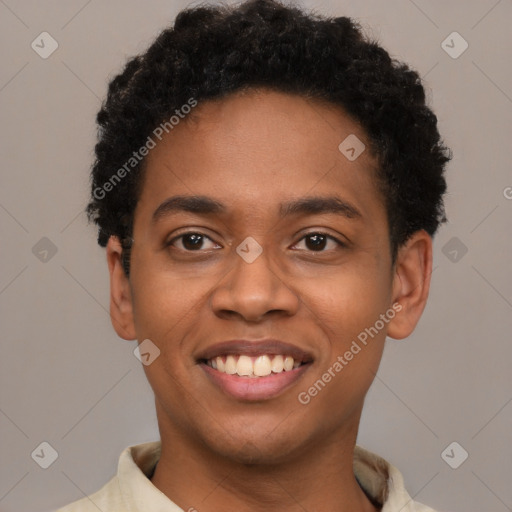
(257, 293)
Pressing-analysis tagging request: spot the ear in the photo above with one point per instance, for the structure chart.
(411, 284)
(121, 307)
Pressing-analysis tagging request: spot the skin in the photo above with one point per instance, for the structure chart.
(252, 151)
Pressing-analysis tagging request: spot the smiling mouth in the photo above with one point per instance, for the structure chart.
(253, 366)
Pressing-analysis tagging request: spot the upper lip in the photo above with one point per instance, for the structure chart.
(254, 348)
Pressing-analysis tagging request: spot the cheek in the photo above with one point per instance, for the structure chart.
(167, 312)
(347, 310)
(348, 300)
(165, 304)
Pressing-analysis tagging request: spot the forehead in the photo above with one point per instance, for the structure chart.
(258, 148)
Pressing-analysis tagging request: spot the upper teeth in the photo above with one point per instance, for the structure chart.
(259, 366)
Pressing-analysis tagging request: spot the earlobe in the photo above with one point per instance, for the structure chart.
(121, 308)
(411, 284)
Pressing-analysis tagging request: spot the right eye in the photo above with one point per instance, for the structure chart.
(191, 241)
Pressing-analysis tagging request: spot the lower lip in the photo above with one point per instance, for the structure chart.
(254, 388)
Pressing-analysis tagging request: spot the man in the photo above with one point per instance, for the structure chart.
(267, 184)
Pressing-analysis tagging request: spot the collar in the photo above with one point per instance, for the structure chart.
(382, 482)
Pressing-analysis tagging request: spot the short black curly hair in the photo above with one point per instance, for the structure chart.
(214, 50)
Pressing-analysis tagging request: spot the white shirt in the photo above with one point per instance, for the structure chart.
(131, 489)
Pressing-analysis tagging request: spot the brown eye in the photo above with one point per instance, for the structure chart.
(318, 242)
(191, 241)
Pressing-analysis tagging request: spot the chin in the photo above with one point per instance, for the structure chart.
(256, 447)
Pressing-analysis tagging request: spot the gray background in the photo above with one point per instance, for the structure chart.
(68, 380)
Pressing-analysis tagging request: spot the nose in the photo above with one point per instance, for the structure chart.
(254, 290)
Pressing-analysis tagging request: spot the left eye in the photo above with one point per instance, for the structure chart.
(317, 242)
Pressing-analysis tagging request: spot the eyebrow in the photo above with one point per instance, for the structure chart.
(204, 205)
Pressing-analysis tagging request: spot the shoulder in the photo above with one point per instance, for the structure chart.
(130, 484)
(107, 499)
(135, 463)
(384, 483)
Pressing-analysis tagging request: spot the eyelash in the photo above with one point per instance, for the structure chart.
(310, 234)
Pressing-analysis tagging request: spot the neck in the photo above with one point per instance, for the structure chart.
(320, 478)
